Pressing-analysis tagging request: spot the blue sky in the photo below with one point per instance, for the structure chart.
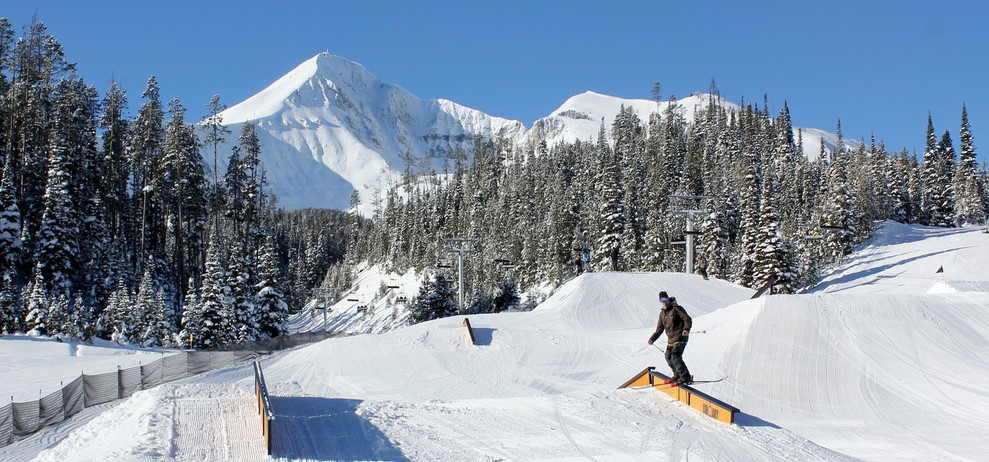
(879, 66)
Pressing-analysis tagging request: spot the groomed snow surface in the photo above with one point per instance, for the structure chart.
(884, 360)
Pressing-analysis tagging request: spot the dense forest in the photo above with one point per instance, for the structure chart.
(121, 227)
(117, 227)
(765, 216)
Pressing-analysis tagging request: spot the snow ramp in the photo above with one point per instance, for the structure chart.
(905, 373)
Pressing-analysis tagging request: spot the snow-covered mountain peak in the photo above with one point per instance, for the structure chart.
(330, 127)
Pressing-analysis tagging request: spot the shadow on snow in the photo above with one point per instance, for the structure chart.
(326, 429)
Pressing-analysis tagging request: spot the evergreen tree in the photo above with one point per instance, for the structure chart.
(37, 304)
(839, 213)
(749, 224)
(10, 223)
(435, 300)
(57, 248)
(145, 149)
(118, 321)
(506, 296)
(271, 305)
(774, 262)
(929, 176)
(970, 207)
(183, 196)
(116, 170)
(611, 217)
(240, 283)
(11, 314)
(940, 184)
(59, 323)
(209, 323)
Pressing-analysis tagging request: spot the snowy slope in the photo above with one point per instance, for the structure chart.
(330, 127)
(882, 361)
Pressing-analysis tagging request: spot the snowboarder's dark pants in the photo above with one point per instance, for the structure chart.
(674, 357)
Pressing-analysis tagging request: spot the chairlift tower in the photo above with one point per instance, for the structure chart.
(460, 246)
(326, 295)
(692, 207)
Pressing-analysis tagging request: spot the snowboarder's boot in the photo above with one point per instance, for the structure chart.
(685, 380)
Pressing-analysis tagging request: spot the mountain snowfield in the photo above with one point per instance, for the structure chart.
(330, 127)
(884, 360)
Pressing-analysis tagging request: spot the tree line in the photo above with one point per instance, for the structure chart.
(117, 227)
(773, 217)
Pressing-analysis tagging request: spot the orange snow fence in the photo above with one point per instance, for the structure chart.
(697, 400)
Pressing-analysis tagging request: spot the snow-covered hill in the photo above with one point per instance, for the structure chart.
(330, 127)
(882, 361)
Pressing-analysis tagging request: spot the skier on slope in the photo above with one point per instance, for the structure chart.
(675, 322)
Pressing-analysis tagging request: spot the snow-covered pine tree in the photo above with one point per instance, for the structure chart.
(506, 295)
(928, 176)
(160, 331)
(749, 223)
(37, 303)
(241, 282)
(11, 312)
(144, 150)
(153, 326)
(81, 320)
(271, 306)
(968, 188)
(183, 193)
(10, 223)
(435, 300)
(774, 262)
(36, 63)
(214, 134)
(629, 150)
(115, 197)
(209, 323)
(59, 324)
(941, 185)
(57, 247)
(119, 317)
(610, 219)
(839, 213)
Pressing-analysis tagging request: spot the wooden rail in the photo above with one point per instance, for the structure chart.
(264, 405)
(697, 400)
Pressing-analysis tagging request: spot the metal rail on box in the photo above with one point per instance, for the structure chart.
(697, 400)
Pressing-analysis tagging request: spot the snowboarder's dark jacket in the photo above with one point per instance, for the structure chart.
(675, 321)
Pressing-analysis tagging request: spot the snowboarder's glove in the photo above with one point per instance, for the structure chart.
(653, 337)
(685, 335)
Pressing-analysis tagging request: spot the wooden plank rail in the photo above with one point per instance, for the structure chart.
(264, 405)
(697, 400)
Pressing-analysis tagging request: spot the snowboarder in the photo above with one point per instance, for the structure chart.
(702, 266)
(580, 264)
(675, 322)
